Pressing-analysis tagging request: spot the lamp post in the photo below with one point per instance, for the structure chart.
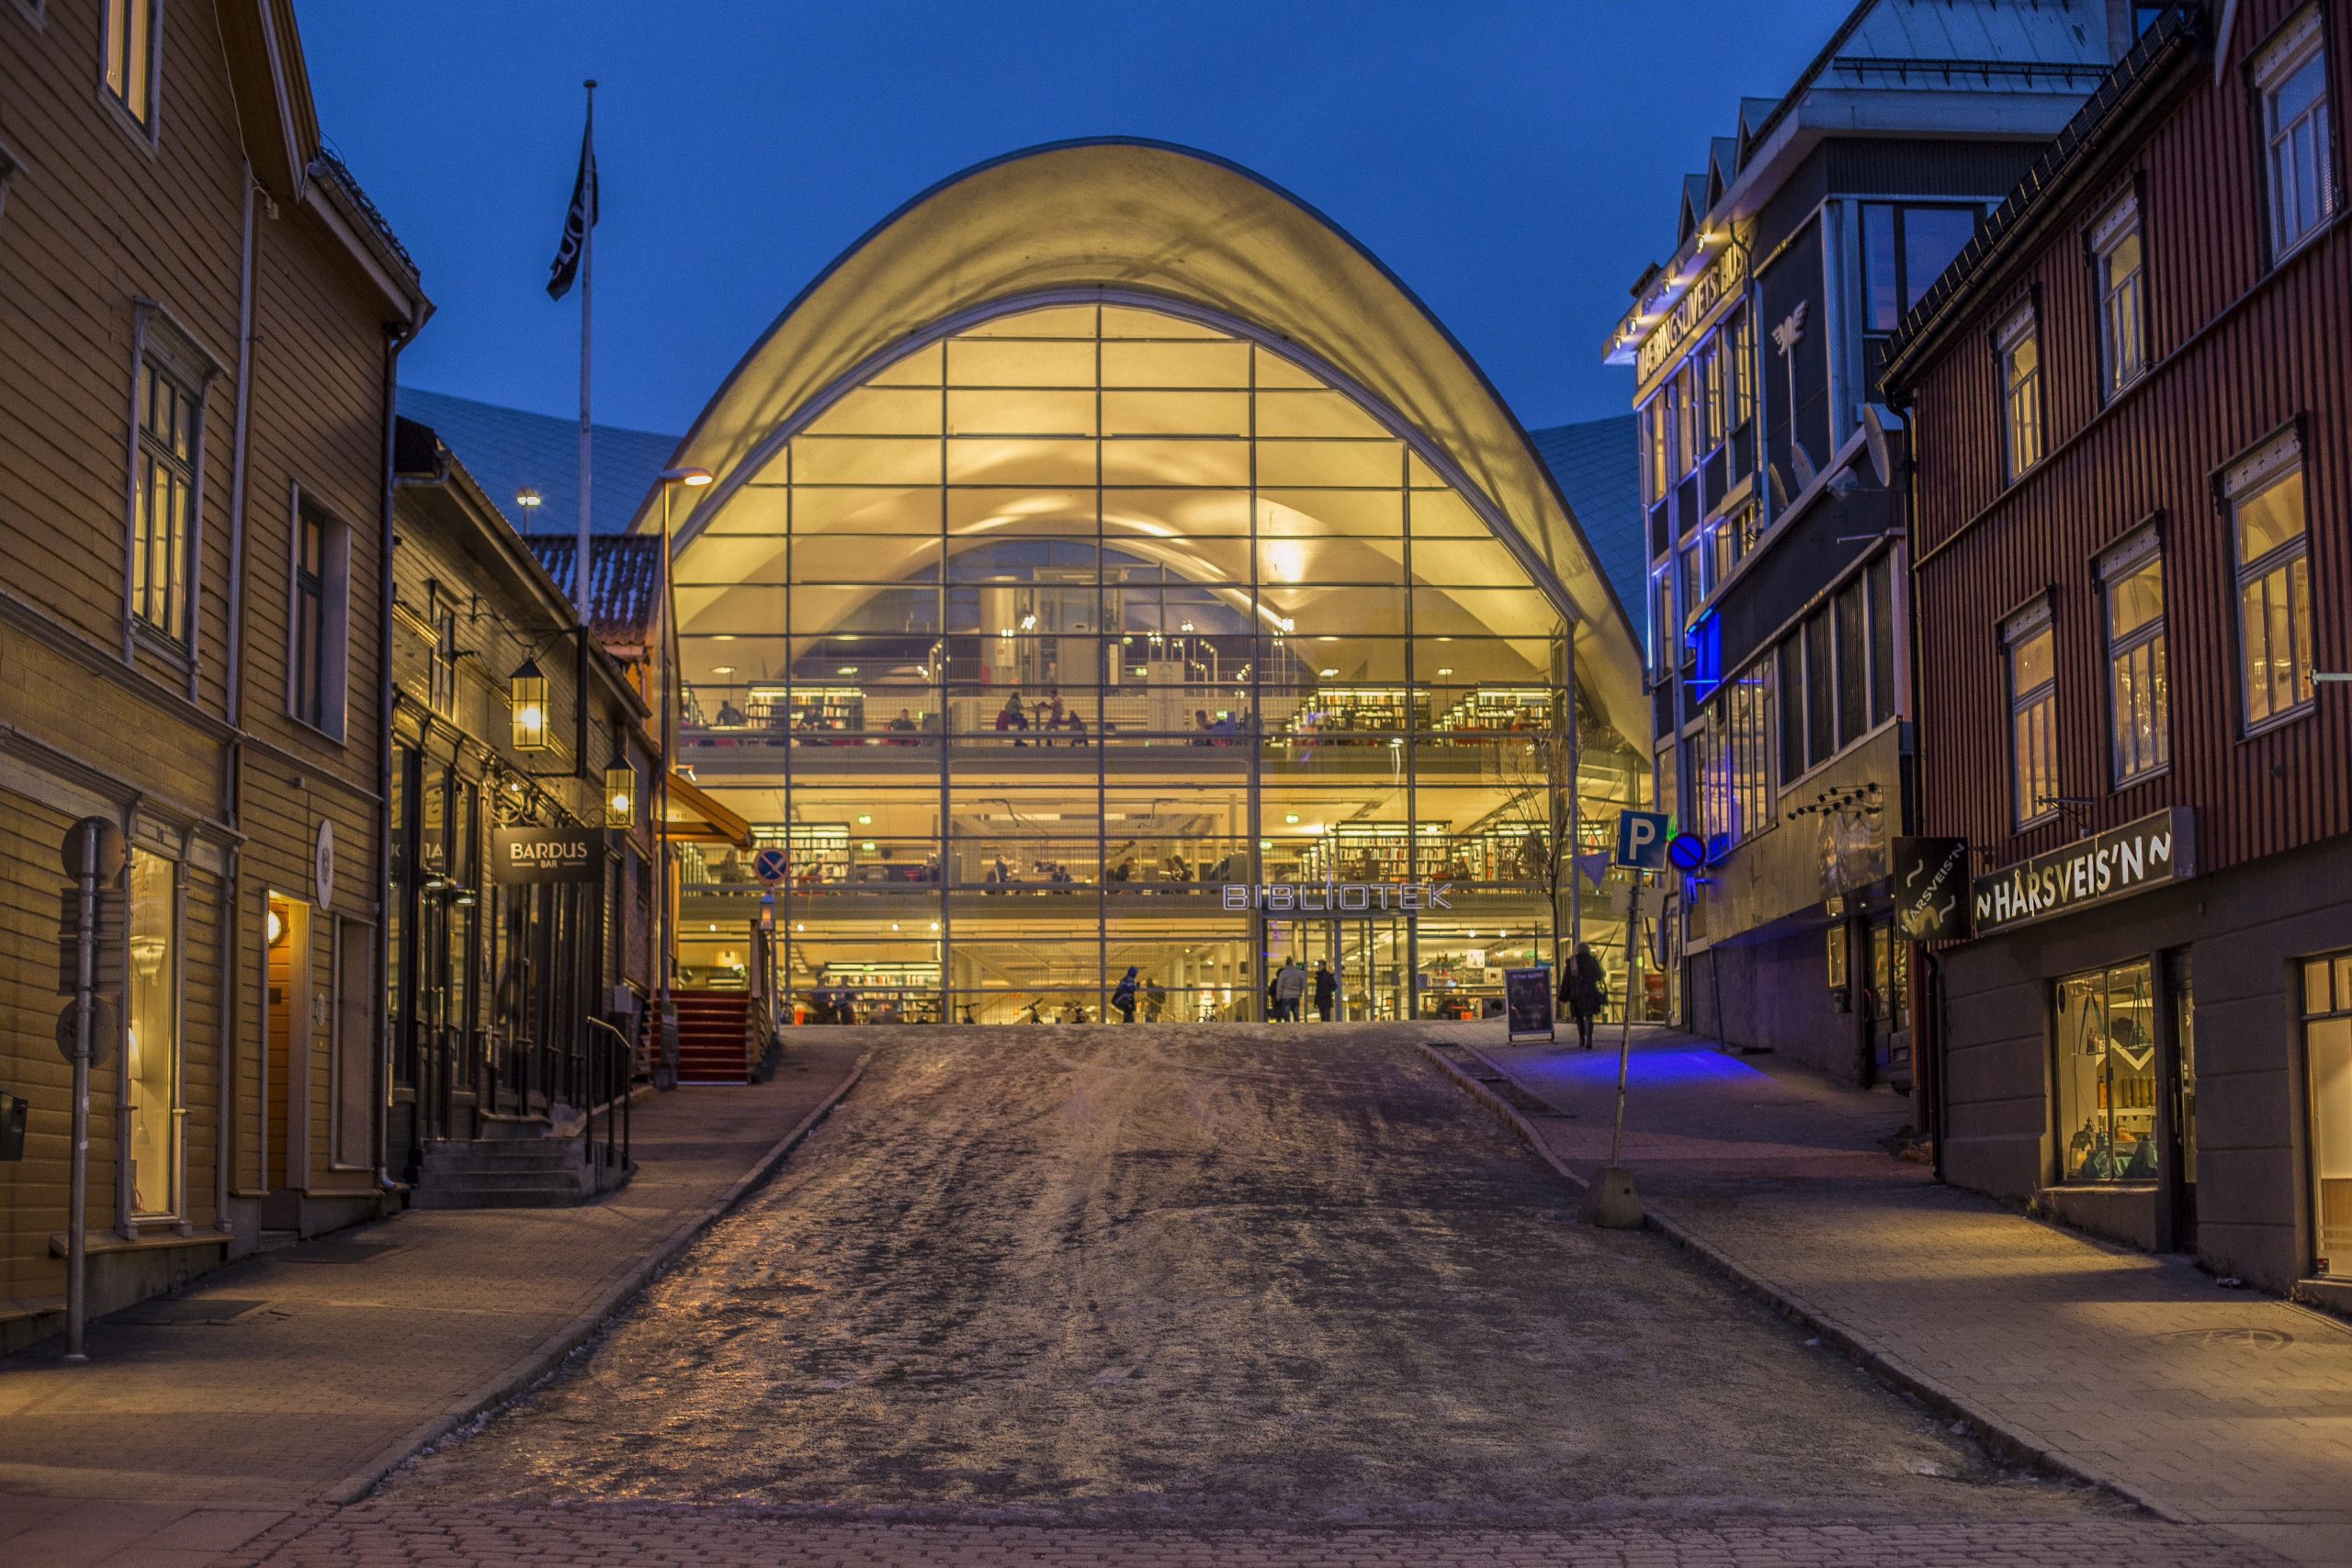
(666, 1068)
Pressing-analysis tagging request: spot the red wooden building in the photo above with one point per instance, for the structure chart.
(2132, 420)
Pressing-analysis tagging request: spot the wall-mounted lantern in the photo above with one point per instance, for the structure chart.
(620, 796)
(526, 694)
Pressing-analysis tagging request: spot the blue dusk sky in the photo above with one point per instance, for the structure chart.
(1516, 163)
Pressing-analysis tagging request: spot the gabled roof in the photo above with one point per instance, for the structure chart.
(1597, 464)
(624, 583)
(508, 449)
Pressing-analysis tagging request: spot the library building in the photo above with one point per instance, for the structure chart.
(1107, 564)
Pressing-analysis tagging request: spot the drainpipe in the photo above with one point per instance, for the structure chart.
(395, 339)
(233, 711)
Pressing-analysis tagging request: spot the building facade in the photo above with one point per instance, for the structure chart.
(1778, 659)
(498, 967)
(2134, 552)
(199, 315)
(1097, 611)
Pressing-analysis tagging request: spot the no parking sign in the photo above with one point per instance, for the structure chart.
(771, 865)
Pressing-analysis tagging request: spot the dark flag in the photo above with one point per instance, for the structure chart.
(582, 218)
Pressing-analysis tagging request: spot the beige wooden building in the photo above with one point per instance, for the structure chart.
(199, 320)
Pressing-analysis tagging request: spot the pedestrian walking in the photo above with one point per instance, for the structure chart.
(1154, 999)
(1289, 987)
(1124, 997)
(1585, 990)
(1326, 990)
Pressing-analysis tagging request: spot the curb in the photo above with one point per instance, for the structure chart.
(1998, 1434)
(551, 1351)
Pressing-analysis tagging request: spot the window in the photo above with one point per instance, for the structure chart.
(2138, 695)
(441, 677)
(132, 44)
(2327, 1053)
(2297, 156)
(1821, 725)
(1880, 585)
(1687, 417)
(2019, 348)
(1711, 396)
(1654, 438)
(2033, 717)
(1904, 250)
(2106, 1074)
(2274, 582)
(1723, 550)
(1665, 633)
(163, 500)
(1853, 679)
(9, 168)
(153, 1040)
(1693, 565)
(2118, 262)
(321, 593)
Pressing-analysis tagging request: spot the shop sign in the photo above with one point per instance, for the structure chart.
(524, 856)
(1929, 875)
(1337, 898)
(2154, 851)
(1723, 279)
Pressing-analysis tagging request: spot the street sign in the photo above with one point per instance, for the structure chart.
(524, 856)
(1527, 1005)
(1685, 851)
(771, 865)
(104, 1024)
(1640, 840)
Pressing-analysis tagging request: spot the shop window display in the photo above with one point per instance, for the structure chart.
(2106, 1074)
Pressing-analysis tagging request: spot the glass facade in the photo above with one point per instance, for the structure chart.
(2106, 1074)
(1082, 639)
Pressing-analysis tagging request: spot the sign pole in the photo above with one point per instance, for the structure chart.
(77, 1222)
(1625, 1037)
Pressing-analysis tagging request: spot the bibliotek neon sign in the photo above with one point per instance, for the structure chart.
(1338, 898)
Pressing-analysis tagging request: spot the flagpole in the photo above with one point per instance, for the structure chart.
(579, 566)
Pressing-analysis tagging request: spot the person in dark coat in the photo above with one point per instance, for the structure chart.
(1124, 997)
(1585, 990)
(1326, 990)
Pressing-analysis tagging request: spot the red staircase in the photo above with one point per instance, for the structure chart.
(714, 1036)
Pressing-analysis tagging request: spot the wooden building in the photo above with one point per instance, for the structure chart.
(199, 320)
(2132, 416)
(518, 984)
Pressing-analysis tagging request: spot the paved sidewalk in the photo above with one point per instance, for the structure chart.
(318, 1367)
(2222, 1407)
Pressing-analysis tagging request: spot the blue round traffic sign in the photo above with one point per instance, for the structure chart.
(1685, 851)
(771, 865)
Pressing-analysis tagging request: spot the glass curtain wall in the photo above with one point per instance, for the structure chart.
(1030, 647)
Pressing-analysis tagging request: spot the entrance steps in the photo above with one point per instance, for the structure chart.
(715, 1037)
(552, 1172)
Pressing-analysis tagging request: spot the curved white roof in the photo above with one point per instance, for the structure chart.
(1148, 222)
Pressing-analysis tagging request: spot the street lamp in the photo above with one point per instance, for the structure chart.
(529, 499)
(526, 694)
(620, 795)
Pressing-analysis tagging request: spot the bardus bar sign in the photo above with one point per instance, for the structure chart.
(527, 855)
(2132, 859)
(1338, 898)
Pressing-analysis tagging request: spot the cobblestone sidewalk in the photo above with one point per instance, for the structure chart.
(2222, 1407)
(321, 1365)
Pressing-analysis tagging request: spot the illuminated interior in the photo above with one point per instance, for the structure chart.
(1028, 644)
(1120, 426)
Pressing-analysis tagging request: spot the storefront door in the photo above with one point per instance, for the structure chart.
(2327, 1055)
(2180, 1073)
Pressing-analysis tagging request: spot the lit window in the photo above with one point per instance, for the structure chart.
(2033, 717)
(442, 672)
(2274, 582)
(2019, 350)
(132, 45)
(2138, 684)
(153, 1035)
(163, 500)
(1666, 633)
(2297, 156)
(2120, 262)
(2106, 1074)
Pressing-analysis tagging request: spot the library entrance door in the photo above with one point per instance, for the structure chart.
(1369, 958)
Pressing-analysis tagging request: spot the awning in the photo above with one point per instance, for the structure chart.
(696, 816)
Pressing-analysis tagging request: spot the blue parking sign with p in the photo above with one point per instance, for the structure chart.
(1640, 840)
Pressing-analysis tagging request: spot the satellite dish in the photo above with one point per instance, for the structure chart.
(1800, 463)
(1780, 487)
(1877, 434)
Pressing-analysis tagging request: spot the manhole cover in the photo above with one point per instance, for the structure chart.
(188, 1312)
(337, 1252)
(2230, 1338)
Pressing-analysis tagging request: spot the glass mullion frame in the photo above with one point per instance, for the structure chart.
(1103, 651)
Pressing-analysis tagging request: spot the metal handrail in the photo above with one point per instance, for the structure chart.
(616, 1074)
